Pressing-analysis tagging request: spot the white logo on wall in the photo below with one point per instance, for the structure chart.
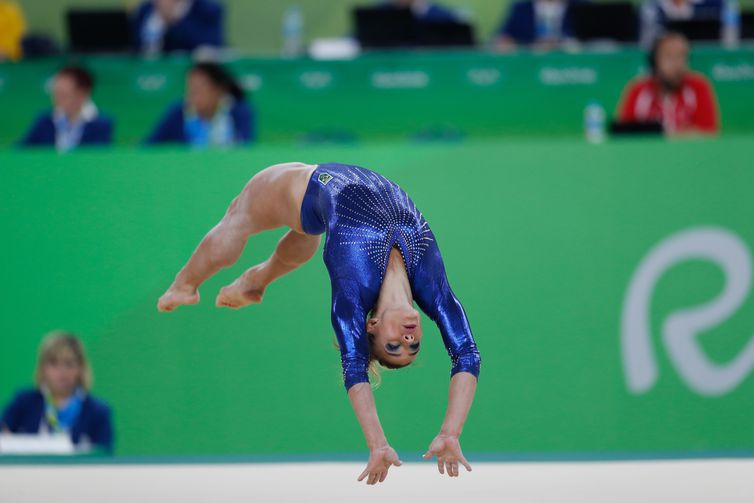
(316, 79)
(681, 329)
(151, 82)
(410, 79)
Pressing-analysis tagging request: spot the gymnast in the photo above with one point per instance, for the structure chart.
(381, 257)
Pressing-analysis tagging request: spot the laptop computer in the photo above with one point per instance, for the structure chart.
(615, 21)
(98, 30)
(618, 128)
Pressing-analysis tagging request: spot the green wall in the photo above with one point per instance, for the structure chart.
(540, 238)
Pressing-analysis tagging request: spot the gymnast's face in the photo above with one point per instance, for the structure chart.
(396, 336)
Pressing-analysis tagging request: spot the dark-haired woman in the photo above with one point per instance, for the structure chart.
(213, 113)
(74, 119)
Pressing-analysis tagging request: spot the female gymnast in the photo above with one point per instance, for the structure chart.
(380, 255)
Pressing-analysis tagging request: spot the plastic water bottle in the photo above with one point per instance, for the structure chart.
(650, 24)
(151, 37)
(594, 122)
(731, 24)
(293, 26)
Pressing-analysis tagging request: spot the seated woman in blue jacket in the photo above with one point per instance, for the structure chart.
(61, 402)
(543, 24)
(74, 119)
(160, 26)
(214, 113)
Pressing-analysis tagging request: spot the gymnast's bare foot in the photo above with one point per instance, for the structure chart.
(177, 296)
(247, 289)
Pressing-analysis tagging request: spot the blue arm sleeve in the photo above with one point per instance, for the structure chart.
(11, 417)
(519, 25)
(435, 297)
(40, 133)
(102, 434)
(349, 322)
(102, 132)
(243, 115)
(202, 26)
(170, 127)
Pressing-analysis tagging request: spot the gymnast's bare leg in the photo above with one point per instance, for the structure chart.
(271, 199)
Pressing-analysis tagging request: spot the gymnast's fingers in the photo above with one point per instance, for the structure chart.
(383, 476)
(397, 462)
(363, 474)
(372, 479)
(465, 463)
(455, 468)
(440, 466)
(449, 468)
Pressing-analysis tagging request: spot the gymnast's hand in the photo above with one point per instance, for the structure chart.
(447, 448)
(380, 461)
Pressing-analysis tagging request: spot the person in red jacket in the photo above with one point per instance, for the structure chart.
(681, 100)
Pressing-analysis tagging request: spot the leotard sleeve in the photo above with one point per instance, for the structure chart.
(349, 323)
(435, 297)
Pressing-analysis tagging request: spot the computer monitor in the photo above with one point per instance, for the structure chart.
(747, 25)
(649, 128)
(696, 29)
(379, 28)
(445, 34)
(98, 30)
(615, 21)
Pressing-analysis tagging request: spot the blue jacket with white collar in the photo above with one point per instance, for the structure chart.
(98, 131)
(25, 414)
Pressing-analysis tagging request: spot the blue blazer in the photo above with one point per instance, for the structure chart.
(170, 129)
(25, 412)
(520, 24)
(42, 133)
(705, 9)
(202, 25)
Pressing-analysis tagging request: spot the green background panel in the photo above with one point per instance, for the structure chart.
(422, 96)
(540, 239)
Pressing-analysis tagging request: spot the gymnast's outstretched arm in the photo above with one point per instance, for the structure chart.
(446, 445)
(348, 319)
(435, 297)
(381, 455)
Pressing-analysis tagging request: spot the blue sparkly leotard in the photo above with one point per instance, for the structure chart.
(365, 215)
